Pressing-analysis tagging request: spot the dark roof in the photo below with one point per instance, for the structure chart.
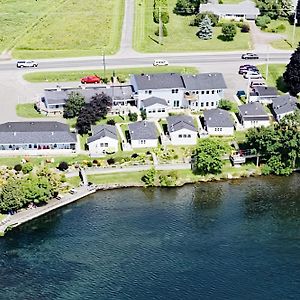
(284, 104)
(179, 122)
(217, 118)
(204, 81)
(35, 132)
(142, 130)
(101, 131)
(158, 81)
(116, 92)
(252, 109)
(154, 100)
(265, 91)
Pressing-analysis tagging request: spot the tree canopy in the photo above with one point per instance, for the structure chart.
(73, 105)
(205, 29)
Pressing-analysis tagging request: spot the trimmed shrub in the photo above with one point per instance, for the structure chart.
(111, 122)
(18, 168)
(111, 161)
(245, 28)
(89, 164)
(134, 155)
(63, 166)
(28, 167)
(263, 21)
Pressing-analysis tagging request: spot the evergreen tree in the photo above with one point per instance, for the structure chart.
(292, 74)
(229, 31)
(73, 105)
(205, 29)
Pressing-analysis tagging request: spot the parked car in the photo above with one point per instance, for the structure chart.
(241, 94)
(254, 84)
(27, 64)
(160, 62)
(253, 75)
(90, 79)
(244, 70)
(250, 56)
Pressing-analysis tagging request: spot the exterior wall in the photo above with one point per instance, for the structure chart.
(35, 152)
(156, 111)
(177, 137)
(280, 116)
(103, 146)
(38, 147)
(220, 131)
(144, 143)
(251, 124)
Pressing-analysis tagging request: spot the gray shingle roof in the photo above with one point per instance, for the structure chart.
(117, 92)
(142, 130)
(252, 109)
(154, 100)
(217, 118)
(101, 131)
(176, 123)
(158, 81)
(35, 132)
(284, 104)
(266, 91)
(204, 81)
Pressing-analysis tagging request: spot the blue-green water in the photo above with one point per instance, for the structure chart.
(226, 240)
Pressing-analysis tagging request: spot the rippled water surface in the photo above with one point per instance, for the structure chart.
(228, 240)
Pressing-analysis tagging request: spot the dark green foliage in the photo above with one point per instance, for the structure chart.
(164, 31)
(163, 5)
(205, 29)
(132, 117)
(18, 168)
(143, 114)
(228, 31)
(149, 177)
(73, 105)
(245, 28)
(134, 155)
(89, 163)
(187, 7)
(111, 122)
(111, 161)
(263, 21)
(27, 168)
(228, 105)
(199, 17)
(292, 74)
(63, 166)
(169, 179)
(208, 157)
(275, 8)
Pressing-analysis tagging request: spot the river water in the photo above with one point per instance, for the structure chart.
(224, 240)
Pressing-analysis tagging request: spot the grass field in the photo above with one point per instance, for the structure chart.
(63, 76)
(27, 110)
(181, 37)
(60, 28)
(275, 75)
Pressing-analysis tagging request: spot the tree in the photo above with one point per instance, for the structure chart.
(18, 168)
(205, 29)
(63, 166)
(186, 7)
(143, 114)
(228, 31)
(263, 21)
(111, 122)
(208, 157)
(245, 28)
(73, 105)
(199, 18)
(164, 31)
(27, 168)
(149, 177)
(132, 117)
(291, 75)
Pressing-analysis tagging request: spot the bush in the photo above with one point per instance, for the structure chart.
(28, 167)
(228, 31)
(134, 155)
(63, 166)
(89, 164)
(132, 117)
(164, 31)
(280, 28)
(245, 28)
(111, 161)
(95, 162)
(111, 122)
(143, 114)
(263, 21)
(18, 168)
(198, 19)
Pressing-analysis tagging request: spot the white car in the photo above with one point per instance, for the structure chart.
(27, 64)
(160, 62)
(253, 75)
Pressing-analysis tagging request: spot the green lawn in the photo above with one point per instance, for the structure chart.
(62, 76)
(27, 110)
(60, 28)
(181, 37)
(275, 75)
(124, 178)
(2, 217)
(286, 43)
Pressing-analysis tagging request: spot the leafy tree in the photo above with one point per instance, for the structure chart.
(199, 18)
(164, 31)
(205, 29)
(208, 157)
(245, 28)
(27, 168)
(111, 122)
(187, 7)
(73, 105)
(292, 74)
(63, 166)
(132, 117)
(111, 161)
(18, 168)
(143, 114)
(275, 8)
(149, 177)
(228, 31)
(263, 21)
(163, 6)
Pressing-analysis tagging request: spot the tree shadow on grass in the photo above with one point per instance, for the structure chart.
(152, 39)
(223, 38)
(281, 85)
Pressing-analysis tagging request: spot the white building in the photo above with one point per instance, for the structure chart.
(218, 122)
(182, 130)
(143, 134)
(283, 106)
(253, 115)
(104, 140)
(168, 86)
(155, 107)
(204, 91)
(263, 94)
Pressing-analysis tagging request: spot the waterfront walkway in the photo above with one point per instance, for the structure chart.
(25, 215)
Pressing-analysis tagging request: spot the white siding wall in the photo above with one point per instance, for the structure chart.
(144, 143)
(208, 99)
(220, 131)
(155, 111)
(252, 124)
(177, 137)
(103, 145)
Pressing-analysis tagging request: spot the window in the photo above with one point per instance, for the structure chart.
(184, 136)
(197, 92)
(207, 103)
(201, 104)
(202, 92)
(176, 103)
(212, 91)
(150, 92)
(106, 144)
(176, 91)
(143, 142)
(173, 91)
(159, 110)
(212, 103)
(146, 92)
(180, 135)
(189, 136)
(207, 92)
(196, 104)
(163, 110)
(101, 144)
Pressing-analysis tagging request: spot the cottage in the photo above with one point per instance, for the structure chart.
(284, 105)
(243, 10)
(37, 138)
(182, 130)
(204, 91)
(168, 86)
(143, 134)
(253, 115)
(263, 94)
(218, 122)
(104, 140)
(155, 107)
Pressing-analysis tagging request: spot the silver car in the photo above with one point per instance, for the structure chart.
(27, 64)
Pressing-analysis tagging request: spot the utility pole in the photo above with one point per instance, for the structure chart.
(160, 26)
(104, 64)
